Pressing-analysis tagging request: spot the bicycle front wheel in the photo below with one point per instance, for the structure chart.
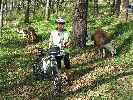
(57, 78)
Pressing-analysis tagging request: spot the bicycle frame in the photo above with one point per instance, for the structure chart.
(47, 62)
(50, 61)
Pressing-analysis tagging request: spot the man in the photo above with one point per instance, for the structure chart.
(61, 38)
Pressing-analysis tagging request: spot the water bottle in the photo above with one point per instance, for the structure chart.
(44, 64)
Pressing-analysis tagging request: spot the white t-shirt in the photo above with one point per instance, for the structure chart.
(57, 38)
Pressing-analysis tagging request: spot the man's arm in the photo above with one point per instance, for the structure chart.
(68, 44)
(68, 40)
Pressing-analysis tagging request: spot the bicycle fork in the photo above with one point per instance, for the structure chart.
(56, 74)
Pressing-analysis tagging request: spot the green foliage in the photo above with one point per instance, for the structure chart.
(107, 79)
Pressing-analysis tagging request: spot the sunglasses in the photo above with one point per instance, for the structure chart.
(61, 23)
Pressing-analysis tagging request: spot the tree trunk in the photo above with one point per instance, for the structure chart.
(19, 6)
(15, 4)
(113, 7)
(5, 11)
(27, 2)
(80, 22)
(53, 6)
(1, 16)
(117, 8)
(11, 5)
(96, 11)
(108, 2)
(124, 10)
(58, 7)
(22, 3)
(47, 13)
(34, 8)
(0, 3)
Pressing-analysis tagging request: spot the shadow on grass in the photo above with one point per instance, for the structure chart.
(99, 82)
(15, 83)
(76, 51)
(41, 89)
(13, 61)
(125, 46)
(7, 61)
(120, 29)
(81, 71)
(13, 44)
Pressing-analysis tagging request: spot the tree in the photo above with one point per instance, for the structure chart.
(124, 10)
(0, 4)
(1, 15)
(34, 10)
(80, 22)
(113, 7)
(27, 2)
(96, 11)
(47, 13)
(108, 1)
(59, 7)
(117, 8)
(11, 5)
(53, 6)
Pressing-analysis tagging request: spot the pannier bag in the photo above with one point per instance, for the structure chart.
(54, 50)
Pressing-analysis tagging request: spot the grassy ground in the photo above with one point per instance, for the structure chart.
(95, 79)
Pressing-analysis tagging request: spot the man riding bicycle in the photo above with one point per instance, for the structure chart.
(61, 38)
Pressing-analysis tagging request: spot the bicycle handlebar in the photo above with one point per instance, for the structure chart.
(42, 50)
(45, 50)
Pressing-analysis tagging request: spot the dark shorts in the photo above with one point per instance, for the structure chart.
(66, 61)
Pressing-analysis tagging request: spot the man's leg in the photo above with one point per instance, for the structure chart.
(58, 59)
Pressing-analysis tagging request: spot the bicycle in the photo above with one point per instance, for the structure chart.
(45, 67)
